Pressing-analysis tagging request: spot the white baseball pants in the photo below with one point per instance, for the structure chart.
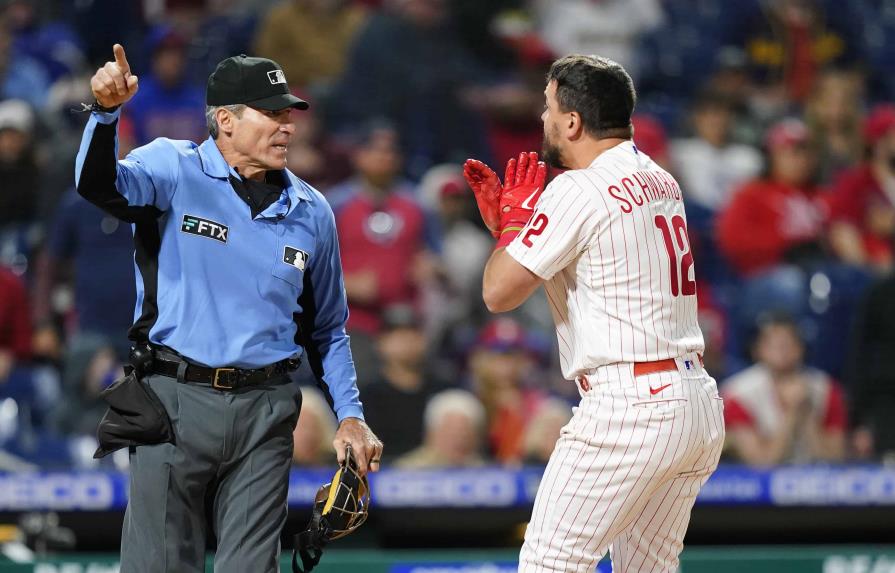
(626, 471)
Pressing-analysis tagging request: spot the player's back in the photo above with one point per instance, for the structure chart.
(612, 242)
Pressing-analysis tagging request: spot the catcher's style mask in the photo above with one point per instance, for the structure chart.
(340, 507)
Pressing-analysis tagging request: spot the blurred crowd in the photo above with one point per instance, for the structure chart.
(774, 115)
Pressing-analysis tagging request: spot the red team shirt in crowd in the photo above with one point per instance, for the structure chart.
(15, 321)
(384, 239)
(619, 274)
(764, 220)
(860, 200)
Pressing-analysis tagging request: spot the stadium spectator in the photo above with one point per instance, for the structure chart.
(778, 218)
(510, 111)
(312, 155)
(15, 323)
(788, 42)
(871, 373)
(833, 114)
(95, 251)
(101, 23)
(498, 365)
(731, 80)
(219, 30)
(715, 325)
(394, 403)
(54, 44)
(465, 245)
(19, 169)
(543, 430)
(34, 389)
(650, 137)
(407, 65)
(314, 432)
(90, 366)
(863, 202)
(169, 104)
(21, 77)
(385, 240)
(493, 32)
(610, 28)
(454, 425)
(779, 410)
(709, 164)
(311, 38)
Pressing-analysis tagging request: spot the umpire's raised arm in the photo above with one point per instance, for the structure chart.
(145, 180)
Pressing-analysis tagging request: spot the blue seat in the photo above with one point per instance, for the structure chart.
(821, 297)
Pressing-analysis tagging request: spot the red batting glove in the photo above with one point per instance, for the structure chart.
(486, 187)
(523, 185)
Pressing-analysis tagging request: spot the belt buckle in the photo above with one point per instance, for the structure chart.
(217, 384)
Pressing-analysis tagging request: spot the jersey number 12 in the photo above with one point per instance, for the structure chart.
(677, 230)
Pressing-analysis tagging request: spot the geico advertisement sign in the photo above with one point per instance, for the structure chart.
(59, 492)
(819, 487)
(446, 489)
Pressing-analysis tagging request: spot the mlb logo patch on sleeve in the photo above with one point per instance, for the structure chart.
(295, 257)
(204, 228)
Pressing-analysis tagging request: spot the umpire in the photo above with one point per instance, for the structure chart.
(238, 274)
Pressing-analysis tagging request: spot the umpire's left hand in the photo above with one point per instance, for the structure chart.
(366, 446)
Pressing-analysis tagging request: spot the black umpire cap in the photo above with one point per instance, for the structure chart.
(255, 82)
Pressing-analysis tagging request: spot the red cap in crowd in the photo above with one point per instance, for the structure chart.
(649, 136)
(880, 122)
(503, 334)
(787, 133)
(453, 188)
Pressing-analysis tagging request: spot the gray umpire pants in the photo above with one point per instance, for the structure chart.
(229, 468)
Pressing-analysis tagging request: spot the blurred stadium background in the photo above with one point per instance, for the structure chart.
(775, 115)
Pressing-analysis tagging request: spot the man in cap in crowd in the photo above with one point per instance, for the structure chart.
(862, 207)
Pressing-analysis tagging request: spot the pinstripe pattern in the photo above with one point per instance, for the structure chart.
(627, 467)
(625, 473)
(606, 267)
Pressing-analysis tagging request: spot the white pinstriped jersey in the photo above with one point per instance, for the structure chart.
(611, 243)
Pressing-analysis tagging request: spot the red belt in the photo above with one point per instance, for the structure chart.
(644, 368)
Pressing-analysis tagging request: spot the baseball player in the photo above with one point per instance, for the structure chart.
(238, 274)
(608, 240)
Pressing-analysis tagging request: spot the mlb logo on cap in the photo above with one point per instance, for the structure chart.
(276, 77)
(239, 80)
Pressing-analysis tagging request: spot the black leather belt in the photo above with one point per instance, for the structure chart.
(228, 378)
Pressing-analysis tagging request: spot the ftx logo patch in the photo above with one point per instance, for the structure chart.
(204, 228)
(276, 77)
(295, 257)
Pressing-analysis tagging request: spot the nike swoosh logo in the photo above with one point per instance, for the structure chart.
(525, 204)
(654, 391)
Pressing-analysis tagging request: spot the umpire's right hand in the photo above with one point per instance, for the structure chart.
(113, 84)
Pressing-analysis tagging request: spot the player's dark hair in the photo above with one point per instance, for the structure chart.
(600, 90)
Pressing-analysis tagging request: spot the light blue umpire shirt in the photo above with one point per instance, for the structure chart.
(213, 284)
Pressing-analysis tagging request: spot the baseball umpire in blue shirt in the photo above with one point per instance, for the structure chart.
(238, 276)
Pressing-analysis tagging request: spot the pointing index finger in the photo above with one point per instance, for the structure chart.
(121, 59)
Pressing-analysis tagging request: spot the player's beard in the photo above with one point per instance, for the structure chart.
(551, 152)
